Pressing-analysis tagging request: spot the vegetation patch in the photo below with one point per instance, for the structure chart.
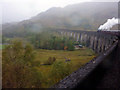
(60, 68)
(50, 61)
(24, 66)
(39, 60)
(2, 46)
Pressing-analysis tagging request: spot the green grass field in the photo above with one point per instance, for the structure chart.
(77, 57)
(2, 46)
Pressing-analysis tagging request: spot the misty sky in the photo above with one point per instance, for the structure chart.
(18, 10)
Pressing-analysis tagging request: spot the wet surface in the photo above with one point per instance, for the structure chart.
(112, 76)
(92, 75)
(101, 72)
(105, 76)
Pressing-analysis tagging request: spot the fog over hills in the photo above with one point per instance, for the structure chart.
(83, 16)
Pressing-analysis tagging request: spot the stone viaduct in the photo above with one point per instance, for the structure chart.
(101, 72)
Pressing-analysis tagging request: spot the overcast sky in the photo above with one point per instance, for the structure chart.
(18, 10)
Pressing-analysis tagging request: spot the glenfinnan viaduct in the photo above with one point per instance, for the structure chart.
(101, 72)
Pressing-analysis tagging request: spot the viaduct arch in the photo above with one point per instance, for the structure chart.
(101, 72)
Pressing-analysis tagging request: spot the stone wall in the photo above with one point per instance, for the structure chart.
(93, 73)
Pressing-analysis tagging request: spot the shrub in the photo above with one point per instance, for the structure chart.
(50, 61)
(36, 63)
(59, 71)
(18, 69)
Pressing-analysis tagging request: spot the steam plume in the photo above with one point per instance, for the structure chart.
(109, 24)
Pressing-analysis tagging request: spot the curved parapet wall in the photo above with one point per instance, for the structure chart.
(77, 77)
(91, 73)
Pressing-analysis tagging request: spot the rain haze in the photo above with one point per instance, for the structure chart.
(18, 10)
(59, 44)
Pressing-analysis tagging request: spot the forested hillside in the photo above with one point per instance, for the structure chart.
(83, 16)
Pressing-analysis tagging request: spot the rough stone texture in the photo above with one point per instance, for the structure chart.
(112, 76)
(101, 72)
(77, 77)
(97, 41)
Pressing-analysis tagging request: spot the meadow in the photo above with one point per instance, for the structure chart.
(41, 60)
(77, 59)
(1, 46)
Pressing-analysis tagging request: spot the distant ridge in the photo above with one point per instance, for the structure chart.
(82, 16)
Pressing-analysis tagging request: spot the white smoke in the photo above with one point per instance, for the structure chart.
(109, 24)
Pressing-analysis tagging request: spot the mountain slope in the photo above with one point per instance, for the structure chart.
(83, 16)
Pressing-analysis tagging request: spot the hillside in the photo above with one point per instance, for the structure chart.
(82, 16)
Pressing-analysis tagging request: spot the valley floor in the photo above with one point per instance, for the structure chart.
(76, 59)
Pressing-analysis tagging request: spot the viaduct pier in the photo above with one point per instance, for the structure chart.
(101, 72)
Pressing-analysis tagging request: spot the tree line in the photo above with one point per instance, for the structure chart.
(51, 41)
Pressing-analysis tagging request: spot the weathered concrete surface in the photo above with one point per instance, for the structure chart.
(105, 75)
(112, 76)
(85, 76)
(101, 72)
